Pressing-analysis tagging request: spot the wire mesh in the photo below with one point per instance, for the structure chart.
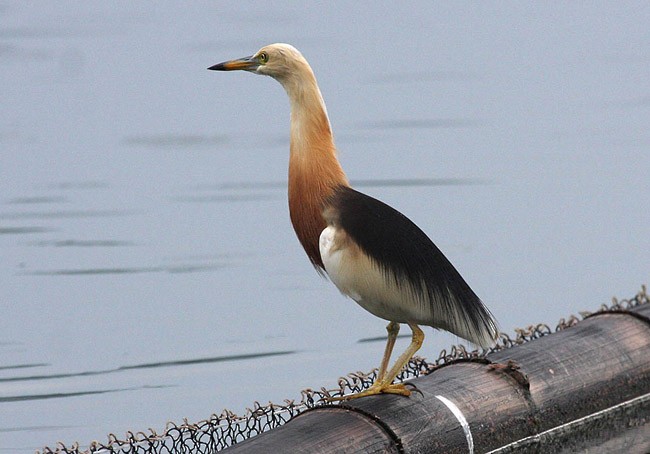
(226, 429)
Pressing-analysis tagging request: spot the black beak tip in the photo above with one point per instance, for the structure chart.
(217, 67)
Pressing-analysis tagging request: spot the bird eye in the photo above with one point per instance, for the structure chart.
(264, 57)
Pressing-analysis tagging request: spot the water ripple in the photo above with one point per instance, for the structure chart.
(172, 363)
(381, 338)
(81, 243)
(79, 185)
(32, 428)
(423, 76)
(379, 182)
(66, 214)
(242, 185)
(408, 182)
(226, 198)
(175, 140)
(22, 230)
(27, 397)
(215, 359)
(92, 271)
(23, 366)
(433, 123)
(36, 200)
(133, 270)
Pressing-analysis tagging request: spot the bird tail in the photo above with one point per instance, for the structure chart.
(470, 319)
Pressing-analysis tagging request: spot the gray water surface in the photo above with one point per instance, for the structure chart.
(148, 269)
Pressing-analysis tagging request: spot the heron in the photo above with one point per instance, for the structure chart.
(373, 253)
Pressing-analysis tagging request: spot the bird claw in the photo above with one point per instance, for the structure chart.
(414, 388)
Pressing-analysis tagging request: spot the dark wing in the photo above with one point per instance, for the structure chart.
(406, 254)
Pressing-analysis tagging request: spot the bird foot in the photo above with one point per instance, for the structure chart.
(376, 388)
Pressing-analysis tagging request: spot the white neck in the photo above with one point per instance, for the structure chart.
(311, 131)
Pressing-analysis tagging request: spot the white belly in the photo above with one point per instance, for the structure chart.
(356, 276)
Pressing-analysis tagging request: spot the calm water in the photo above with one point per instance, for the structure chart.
(148, 269)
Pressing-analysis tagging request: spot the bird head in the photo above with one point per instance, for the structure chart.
(280, 61)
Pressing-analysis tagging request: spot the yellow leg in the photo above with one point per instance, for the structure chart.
(393, 331)
(416, 343)
(384, 383)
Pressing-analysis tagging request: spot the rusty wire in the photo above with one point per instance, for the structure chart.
(226, 429)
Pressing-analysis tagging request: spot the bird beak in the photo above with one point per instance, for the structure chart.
(246, 64)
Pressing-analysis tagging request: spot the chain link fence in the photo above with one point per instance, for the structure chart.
(220, 431)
